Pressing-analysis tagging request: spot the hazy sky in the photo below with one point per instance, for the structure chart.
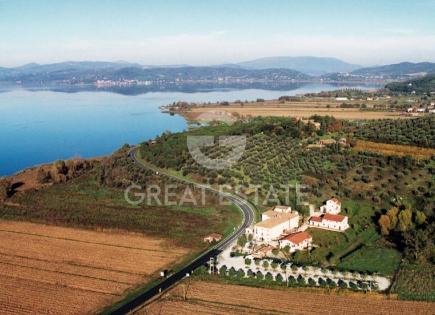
(213, 32)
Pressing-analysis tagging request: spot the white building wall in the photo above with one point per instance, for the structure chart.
(293, 223)
(333, 225)
(266, 234)
(294, 247)
(331, 207)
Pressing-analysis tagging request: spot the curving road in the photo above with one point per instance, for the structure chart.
(248, 213)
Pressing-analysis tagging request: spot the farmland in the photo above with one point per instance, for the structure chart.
(353, 105)
(97, 247)
(217, 298)
(371, 185)
(414, 132)
(415, 282)
(201, 113)
(394, 149)
(46, 269)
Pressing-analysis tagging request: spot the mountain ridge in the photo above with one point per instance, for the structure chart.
(91, 71)
(310, 65)
(397, 69)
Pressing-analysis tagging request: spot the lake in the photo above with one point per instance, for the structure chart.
(43, 126)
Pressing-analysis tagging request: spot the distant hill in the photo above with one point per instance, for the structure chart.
(309, 65)
(398, 69)
(276, 69)
(89, 72)
(420, 86)
(74, 65)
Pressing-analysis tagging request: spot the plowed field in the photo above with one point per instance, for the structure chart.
(47, 269)
(214, 298)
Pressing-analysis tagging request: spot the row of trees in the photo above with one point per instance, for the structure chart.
(293, 281)
(417, 132)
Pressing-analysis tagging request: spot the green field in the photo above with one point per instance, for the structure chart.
(415, 282)
(372, 259)
(357, 249)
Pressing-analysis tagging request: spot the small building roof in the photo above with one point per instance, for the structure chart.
(214, 236)
(272, 222)
(328, 141)
(333, 217)
(273, 214)
(279, 207)
(297, 238)
(316, 219)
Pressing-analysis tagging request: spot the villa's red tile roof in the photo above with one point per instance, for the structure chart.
(333, 217)
(316, 219)
(297, 238)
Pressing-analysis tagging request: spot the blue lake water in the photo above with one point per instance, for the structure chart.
(42, 126)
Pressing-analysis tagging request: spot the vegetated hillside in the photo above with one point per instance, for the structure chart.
(96, 200)
(92, 71)
(417, 132)
(369, 184)
(306, 64)
(424, 85)
(398, 69)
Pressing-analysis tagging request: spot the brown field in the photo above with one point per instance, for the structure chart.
(46, 269)
(297, 112)
(214, 298)
(394, 149)
(303, 108)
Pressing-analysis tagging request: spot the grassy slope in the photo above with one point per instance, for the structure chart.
(372, 259)
(84, 203)
(357, 249)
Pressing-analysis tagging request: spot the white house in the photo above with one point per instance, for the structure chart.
(296, 241)
(283, 209)
(330, 221)
(276, 212)
(272, 228)
(269, 215)
(332, 206)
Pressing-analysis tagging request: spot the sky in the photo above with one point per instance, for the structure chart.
(214, 32)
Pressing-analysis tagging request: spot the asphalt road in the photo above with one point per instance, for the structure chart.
(248, 213)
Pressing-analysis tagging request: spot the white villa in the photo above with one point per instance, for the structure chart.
(330, 221)
(283, 209)
(281, 220)
(276, 212)
(296, 241)
(332, 206)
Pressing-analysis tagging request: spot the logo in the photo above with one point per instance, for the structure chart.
(232, 147)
